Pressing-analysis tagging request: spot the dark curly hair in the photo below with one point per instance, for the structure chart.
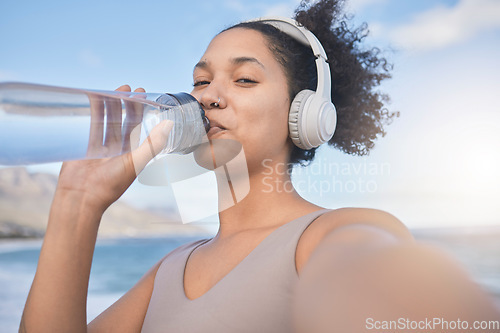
(355, 73)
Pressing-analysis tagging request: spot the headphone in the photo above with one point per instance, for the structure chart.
(312, 118)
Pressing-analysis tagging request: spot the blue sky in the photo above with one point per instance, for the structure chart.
(437, 166)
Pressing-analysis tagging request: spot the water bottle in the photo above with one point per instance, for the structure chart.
(41, 124)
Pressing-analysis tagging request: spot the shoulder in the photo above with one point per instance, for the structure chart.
(367, 216)
(180, 251)
(326, 223)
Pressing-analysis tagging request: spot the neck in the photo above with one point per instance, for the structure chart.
(271, 199)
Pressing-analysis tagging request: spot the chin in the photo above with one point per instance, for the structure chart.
(217, 152)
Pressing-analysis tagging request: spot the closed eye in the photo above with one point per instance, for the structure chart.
(200, 83)
(246, 80)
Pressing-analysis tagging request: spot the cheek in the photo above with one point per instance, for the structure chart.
(267, 128)
(278, 120)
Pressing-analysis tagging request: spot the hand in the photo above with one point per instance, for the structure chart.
(102, 180)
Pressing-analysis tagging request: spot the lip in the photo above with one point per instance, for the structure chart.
(214, 130)
(215, 123)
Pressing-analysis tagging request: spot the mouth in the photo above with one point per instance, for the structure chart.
(215, 130)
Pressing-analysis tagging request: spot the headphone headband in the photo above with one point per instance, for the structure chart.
(295, 30)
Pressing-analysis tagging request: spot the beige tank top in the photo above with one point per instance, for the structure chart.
(254, 297)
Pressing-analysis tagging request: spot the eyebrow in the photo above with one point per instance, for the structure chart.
(201, 65)
(235, 61)
(243, 60)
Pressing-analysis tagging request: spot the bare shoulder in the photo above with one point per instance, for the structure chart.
(334, 219)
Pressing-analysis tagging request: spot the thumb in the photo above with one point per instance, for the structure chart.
(152, 146)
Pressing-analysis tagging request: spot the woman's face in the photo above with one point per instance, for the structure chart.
(239, 68)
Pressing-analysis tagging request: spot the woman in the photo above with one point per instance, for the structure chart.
(245, 82)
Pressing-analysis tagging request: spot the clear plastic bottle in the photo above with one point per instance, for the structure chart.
(40, 124)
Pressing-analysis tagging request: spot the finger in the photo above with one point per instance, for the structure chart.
(96, 126)
(152, 146)
(112, 140)
(133, 117)
(125, 88)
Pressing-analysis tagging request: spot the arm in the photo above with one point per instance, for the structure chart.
(362, 273)
(58, 295)
(57, 298)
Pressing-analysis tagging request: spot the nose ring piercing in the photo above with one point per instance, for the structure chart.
(216, 104)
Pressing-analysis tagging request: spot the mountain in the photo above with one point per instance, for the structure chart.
(25, 200)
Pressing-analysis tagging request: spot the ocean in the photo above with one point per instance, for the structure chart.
(118, 264)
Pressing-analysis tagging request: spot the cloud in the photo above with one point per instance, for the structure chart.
(357, 5)
(445, 26)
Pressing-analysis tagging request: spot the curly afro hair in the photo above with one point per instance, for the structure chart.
(355, 72)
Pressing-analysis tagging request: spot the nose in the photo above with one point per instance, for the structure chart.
(209, 97)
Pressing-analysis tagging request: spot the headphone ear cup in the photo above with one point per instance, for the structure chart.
(295, 116)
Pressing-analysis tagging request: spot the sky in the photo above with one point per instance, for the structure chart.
(437, 165)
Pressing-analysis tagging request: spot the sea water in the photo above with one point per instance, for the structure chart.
(117, 266)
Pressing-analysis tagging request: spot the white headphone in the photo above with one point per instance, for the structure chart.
(312, 118)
